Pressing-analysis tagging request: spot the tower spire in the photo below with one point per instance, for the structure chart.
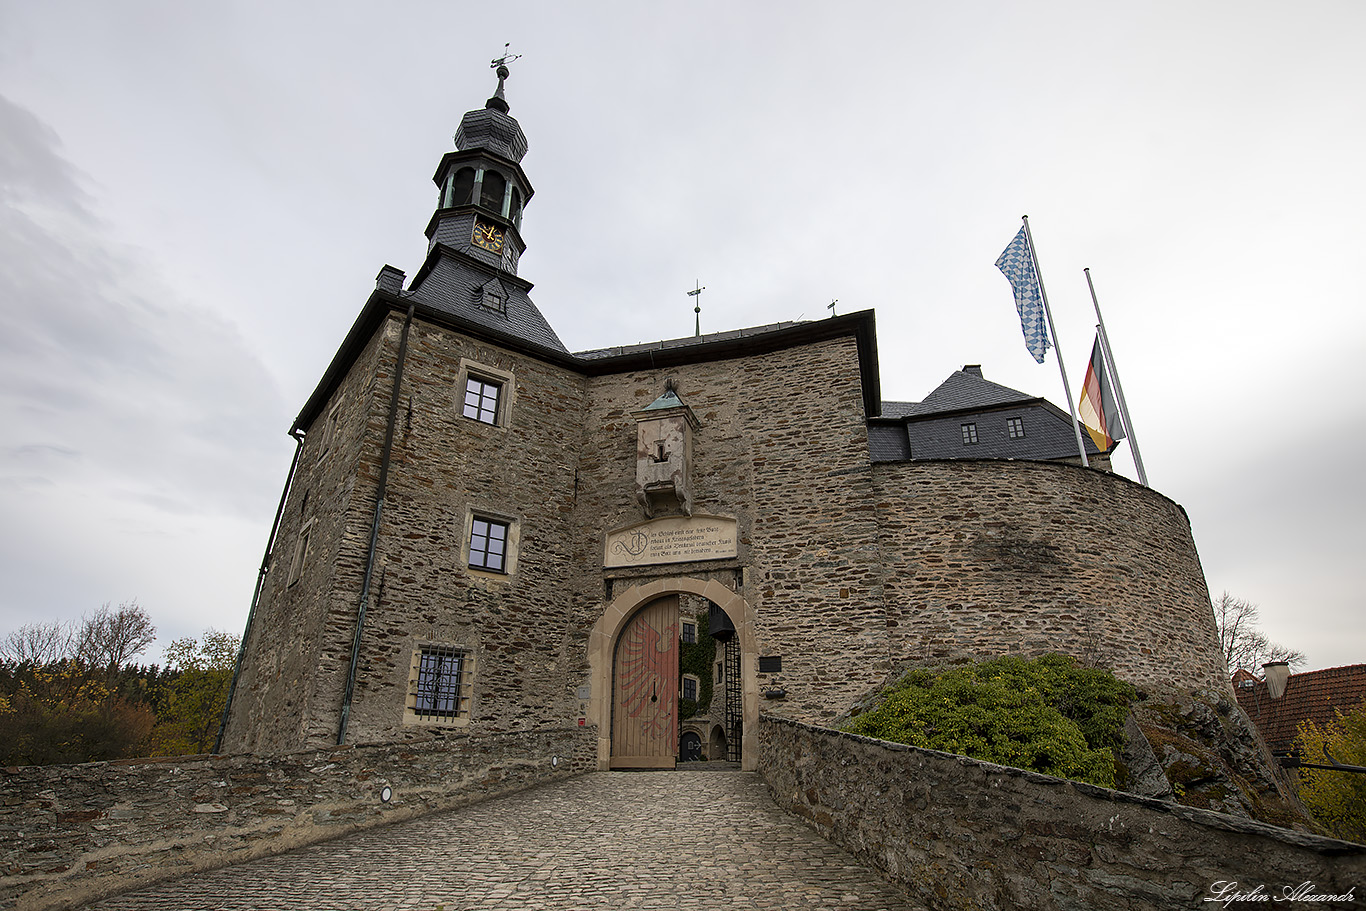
(499, 100)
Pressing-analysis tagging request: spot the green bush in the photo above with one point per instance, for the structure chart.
(1048, 715)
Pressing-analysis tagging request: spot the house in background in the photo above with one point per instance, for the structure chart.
(970, 417)
(1315, 696)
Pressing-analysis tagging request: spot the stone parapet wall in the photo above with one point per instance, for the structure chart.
(994, 557)
(70, 834)
(959, 833)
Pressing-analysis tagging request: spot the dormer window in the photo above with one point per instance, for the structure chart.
(492, 296)
(969, 434)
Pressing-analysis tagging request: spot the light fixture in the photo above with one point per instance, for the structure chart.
(386, 794)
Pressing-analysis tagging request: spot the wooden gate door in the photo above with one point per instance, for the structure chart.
(645, 689)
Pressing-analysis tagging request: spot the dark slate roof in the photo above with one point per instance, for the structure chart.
(965, 389)
(1314, 696)
(453, 285)
(688, 341)
(933, 428)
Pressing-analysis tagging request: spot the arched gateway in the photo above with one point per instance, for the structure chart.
(625, 644)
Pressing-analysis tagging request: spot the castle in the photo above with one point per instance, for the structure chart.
(485, 532)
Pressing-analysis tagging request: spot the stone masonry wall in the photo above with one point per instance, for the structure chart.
(963, 834)
(71, 834)
(985, 558)
(782, 447)
(446, 467)
(291, 659)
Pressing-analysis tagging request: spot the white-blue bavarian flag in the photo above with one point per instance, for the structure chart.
(1017, 265)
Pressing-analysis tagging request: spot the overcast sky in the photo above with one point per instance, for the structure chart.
(195, 200)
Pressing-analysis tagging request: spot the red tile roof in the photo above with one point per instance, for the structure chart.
(1314, 696)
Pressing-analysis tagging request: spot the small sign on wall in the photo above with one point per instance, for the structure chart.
(675, 539)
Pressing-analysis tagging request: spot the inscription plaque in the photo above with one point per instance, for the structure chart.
(675, 539)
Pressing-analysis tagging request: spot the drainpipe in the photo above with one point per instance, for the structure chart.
(374, 529)
(260, 584)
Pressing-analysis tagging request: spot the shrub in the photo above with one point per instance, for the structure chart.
(1048, 715)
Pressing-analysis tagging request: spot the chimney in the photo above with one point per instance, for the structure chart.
(389, 280)
(974, 369)
(1277, 674)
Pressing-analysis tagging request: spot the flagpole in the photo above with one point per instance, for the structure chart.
(1057, 348)
(1114, 377)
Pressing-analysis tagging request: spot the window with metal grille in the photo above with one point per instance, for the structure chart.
(1015, 427)
(488, 544)
(441, 684)
(481, 400)
(969, 434)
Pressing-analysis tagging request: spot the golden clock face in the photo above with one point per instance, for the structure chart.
(490, 237)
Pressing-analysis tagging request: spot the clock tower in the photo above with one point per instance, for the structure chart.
(474, 239)
(481, 188)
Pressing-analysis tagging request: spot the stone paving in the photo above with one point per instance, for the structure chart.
(618, 840)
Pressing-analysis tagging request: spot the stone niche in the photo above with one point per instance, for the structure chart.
(664, 432)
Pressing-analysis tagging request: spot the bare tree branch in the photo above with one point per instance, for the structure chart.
(37, 644)
(1243, 645)
(111, 638)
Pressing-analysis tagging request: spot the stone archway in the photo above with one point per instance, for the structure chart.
(603, 638)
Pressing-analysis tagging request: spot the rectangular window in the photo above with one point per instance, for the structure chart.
(481, 400)
(689, 632)
(488, 545)
(329, 430)
(1015, 427)
(439, 686)
(296, 568)
(969, 434)
(690, 688)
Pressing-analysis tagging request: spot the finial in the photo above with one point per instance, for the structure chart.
(831, 306)
(499, 65)
(697, 308)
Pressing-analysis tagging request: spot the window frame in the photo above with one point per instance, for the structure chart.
(505, 380)
(511, 542)
(683, 682)
(461, 698)
(969, 430)
(302, 545)
(1015, 428)
(487, 551)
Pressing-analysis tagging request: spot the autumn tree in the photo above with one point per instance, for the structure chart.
(1337, 799)
(1243, 644)
(201, 672)
(62, 702)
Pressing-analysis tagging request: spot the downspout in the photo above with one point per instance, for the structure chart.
(374, 529)
(260, 584)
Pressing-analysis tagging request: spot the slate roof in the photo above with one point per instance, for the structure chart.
(1313, 696)
(966, 389)
(454, 285)
(933, 428)
(688, 341)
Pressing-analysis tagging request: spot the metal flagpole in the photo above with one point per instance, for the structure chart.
(1057, 348)
(1114, 377)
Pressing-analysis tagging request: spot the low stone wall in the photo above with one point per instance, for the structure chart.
(960, 834)
(70, 834)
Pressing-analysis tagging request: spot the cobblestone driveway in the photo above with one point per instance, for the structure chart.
(618, 840)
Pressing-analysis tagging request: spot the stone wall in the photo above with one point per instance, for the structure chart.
(782, 448)
(984, 558)
(71, 834)
(964, 834)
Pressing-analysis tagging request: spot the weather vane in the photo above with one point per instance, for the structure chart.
(697, 308)
(831, 306)
(505, 59)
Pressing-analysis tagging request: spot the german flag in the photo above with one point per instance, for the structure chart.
(1098, 410)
